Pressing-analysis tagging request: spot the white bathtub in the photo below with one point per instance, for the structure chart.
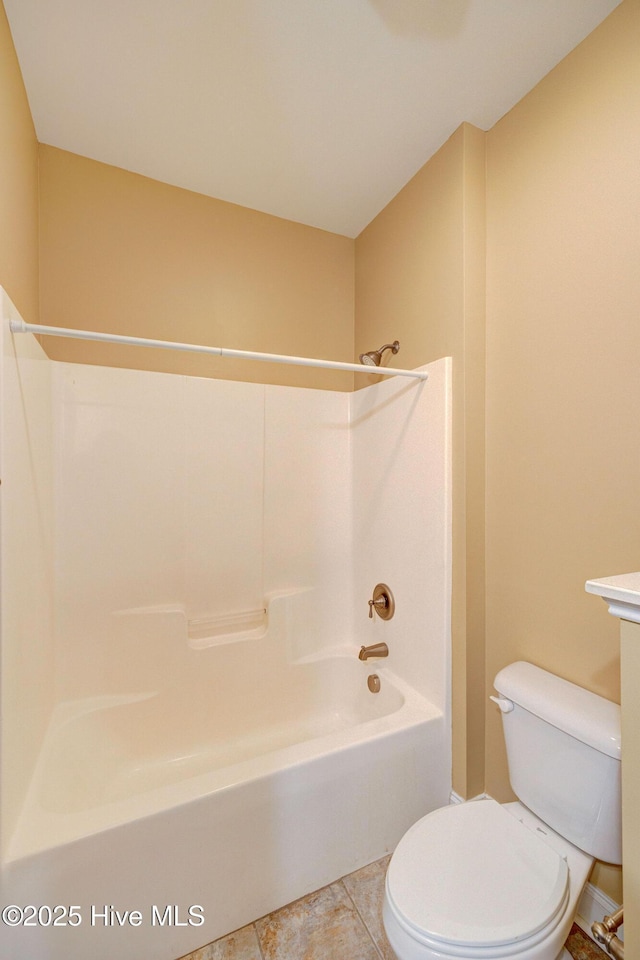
(249, 781)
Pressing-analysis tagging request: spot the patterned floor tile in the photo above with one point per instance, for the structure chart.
(323, 926)
(581, 947)
(241, 945)
(366, 889)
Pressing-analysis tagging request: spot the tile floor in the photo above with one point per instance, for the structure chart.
(340, 922)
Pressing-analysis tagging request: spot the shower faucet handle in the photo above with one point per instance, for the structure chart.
(376, 605)
(382, 602)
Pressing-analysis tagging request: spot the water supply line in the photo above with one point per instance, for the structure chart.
(605, 933)
(19, 326)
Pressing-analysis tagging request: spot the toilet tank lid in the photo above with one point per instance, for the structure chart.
(578, 712)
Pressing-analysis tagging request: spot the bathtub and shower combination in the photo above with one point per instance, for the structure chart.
(191, 770)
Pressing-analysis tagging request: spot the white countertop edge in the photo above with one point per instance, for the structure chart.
(621, 593)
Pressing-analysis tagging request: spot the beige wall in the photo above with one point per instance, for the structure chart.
(420, 279)
(563, 339)
(125, 254)
(18, 184)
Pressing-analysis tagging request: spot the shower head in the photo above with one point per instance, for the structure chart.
(373, 358)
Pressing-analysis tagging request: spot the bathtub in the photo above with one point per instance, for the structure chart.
(157, 821)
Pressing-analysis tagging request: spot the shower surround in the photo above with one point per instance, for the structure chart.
(186, 568)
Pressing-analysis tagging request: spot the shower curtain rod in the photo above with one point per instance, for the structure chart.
(19, 326)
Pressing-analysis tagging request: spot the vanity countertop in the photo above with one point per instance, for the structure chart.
(621, 593)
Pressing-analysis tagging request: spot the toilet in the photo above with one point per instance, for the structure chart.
(494, 881)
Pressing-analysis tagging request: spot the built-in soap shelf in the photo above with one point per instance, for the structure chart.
(171, 620)
(286, 612)
(229, 628)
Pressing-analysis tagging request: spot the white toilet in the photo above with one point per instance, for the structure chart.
(494, 881)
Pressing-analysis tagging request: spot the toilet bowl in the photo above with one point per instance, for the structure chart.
(482, 880)
(486, 881)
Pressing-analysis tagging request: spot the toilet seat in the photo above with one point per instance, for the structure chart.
(471, 876)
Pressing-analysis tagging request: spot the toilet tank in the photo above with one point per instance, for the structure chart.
(563, 749)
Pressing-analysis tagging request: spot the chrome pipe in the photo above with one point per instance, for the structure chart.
(614, 920)
(605, 933)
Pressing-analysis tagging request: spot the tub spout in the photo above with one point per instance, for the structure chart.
(375, 650)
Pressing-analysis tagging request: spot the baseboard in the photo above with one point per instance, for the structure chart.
(593, 906)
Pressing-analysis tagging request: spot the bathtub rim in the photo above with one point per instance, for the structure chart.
(40, 830)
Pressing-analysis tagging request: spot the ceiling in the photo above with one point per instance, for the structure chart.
(314, 110)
